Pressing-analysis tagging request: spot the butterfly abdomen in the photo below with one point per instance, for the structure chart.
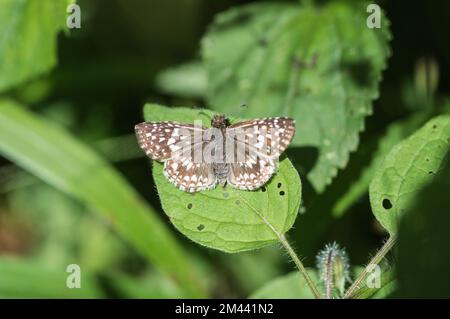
(221, 172)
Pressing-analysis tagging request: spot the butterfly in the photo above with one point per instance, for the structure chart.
(243, 155)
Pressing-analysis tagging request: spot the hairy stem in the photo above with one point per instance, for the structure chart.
(288, 248)
(375, 261)
(328, 277)
(300, 266)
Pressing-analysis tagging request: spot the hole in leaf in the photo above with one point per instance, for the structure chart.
(201, 227)
(279, 185)
(238, 202)
(189, 206)
(282, 193)
(225, 195)
(387, 204)
(430, 172)
(263, 189)
(434, 126)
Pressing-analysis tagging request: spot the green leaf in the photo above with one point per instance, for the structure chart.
(395, 133)
(54, 155)
(28, 38)
(268, 261)
(187, 80)
(225, 218)
(387, 286)
(408, 167)
(29, 279)
(320, 66)
(291, 286)
(150, 285)
(423, 258)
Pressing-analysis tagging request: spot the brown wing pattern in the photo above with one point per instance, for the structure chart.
(258, 144)
(162, 140)
(174, 144)
(251, 175)
(269, 137)
(190, 177)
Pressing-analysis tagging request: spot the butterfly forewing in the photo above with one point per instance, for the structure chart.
(176, 144)
(268, 137)
(161, 140)
(258, 145)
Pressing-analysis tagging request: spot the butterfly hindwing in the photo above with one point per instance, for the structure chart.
(252, 174)
(189, 176)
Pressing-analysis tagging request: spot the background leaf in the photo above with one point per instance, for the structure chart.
(320, 66)
(290, 286)
(387, 285)
(148, 285)
(409, 166)
(28, 279)
(187, 80)
(225, 218)
(423, 254)
(395, 133)
(28, 38)
(60, 160)
(268, 261)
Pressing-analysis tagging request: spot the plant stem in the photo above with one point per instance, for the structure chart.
(288, 248)
(375, 261)
(299, 265)
(328, 276)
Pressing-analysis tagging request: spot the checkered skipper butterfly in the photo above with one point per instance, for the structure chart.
(243, 155)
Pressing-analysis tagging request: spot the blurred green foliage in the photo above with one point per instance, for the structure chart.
(297, 61)
(28, 51)
(63, 162)
(286, 287)
(75, 189)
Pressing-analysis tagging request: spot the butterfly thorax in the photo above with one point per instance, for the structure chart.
(221, 168)
(219, 121)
